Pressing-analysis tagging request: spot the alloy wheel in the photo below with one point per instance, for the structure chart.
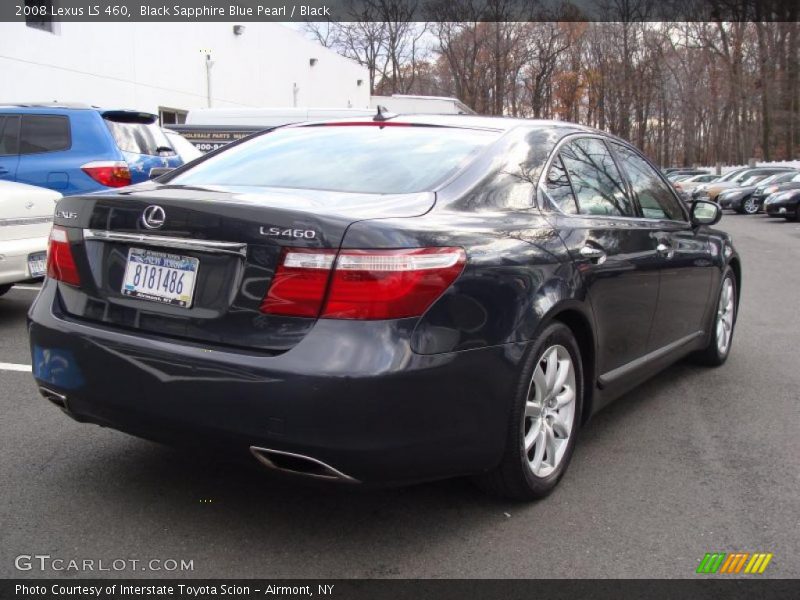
(549, 414)
(725, 314)
(750, 206)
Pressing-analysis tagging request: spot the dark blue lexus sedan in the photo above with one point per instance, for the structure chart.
(393, 299)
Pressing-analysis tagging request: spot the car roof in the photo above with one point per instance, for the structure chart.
(468, 121)
(39, 107)
(53, 104)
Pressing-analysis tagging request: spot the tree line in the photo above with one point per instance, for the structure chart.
(685, 92)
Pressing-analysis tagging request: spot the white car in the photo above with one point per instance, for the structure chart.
(183, 147)
(26, 215)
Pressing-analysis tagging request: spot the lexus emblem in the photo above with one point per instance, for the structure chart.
(153, 217)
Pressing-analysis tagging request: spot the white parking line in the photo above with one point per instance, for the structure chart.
(14, 367)
(31, 288)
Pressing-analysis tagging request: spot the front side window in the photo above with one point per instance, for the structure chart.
(387, 159)
(598, 185)
(655, 198)
(9, 134)
(44, 133)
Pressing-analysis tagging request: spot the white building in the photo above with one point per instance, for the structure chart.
(169, 68)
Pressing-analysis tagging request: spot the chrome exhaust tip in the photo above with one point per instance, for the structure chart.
(298, 464)
(60, 400)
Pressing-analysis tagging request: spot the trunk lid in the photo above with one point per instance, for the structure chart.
(234, 236)
(26, 211)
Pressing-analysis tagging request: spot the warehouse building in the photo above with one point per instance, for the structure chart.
(170, 68)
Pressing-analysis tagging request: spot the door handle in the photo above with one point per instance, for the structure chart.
(594, 254)
(3, 171)
(665, 250)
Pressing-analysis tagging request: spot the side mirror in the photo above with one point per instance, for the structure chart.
(159, 171)
(705, 212)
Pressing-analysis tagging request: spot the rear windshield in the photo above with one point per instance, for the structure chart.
(139, 138)
(359, 158)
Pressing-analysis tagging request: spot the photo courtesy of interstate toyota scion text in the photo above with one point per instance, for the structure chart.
(383, 300)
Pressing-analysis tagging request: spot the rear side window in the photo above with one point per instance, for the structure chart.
(44, 133)
(139, 138)
(598, 186)
(9, 132)
(655, 198)
(558, 188)
(388, 159)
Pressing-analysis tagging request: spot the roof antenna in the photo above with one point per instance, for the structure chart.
(383, 114)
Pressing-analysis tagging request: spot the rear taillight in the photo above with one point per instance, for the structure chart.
(110, 173)
(60, 262)
(298, 286)
(364, 284)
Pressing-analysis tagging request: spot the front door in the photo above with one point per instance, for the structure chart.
(685, 261)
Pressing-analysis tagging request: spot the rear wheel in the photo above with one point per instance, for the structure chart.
(544, 419)
(750, 206)
(719, 345)
(4, 288)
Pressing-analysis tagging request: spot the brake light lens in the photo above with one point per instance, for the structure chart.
(771, 189)
(299, 284)
(60, 262)
(110, 173)
(364, 284)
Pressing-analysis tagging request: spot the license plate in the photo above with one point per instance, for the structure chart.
(160, 277)
(37, 264)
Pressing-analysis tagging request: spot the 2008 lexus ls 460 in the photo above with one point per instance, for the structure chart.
(387, 300)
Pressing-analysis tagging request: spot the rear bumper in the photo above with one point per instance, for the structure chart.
(14, 258)
(351, 394)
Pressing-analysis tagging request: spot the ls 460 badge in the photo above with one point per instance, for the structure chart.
(307, 234)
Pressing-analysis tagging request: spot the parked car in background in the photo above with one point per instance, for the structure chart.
(26, 215)
(764, 190)
(739, 199)
(183, 147)
(393, 299)
(710, 191)
(675, 175)
(784, 204)
(684, 187)
(76, 149)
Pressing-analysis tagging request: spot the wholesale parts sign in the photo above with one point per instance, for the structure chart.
(211, 137)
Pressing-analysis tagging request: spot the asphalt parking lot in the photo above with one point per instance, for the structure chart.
(694, 461)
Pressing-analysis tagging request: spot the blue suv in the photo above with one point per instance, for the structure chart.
(75, 149)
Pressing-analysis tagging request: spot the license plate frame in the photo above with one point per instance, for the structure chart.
(37, 264)
(167, 289)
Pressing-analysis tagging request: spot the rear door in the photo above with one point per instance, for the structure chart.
(142, 143)
(683, 253)
(614, 249)
(9, 147)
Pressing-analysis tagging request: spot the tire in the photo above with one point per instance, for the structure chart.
(520, 476)
(750, 206)
(715, 354)
(5, 287)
